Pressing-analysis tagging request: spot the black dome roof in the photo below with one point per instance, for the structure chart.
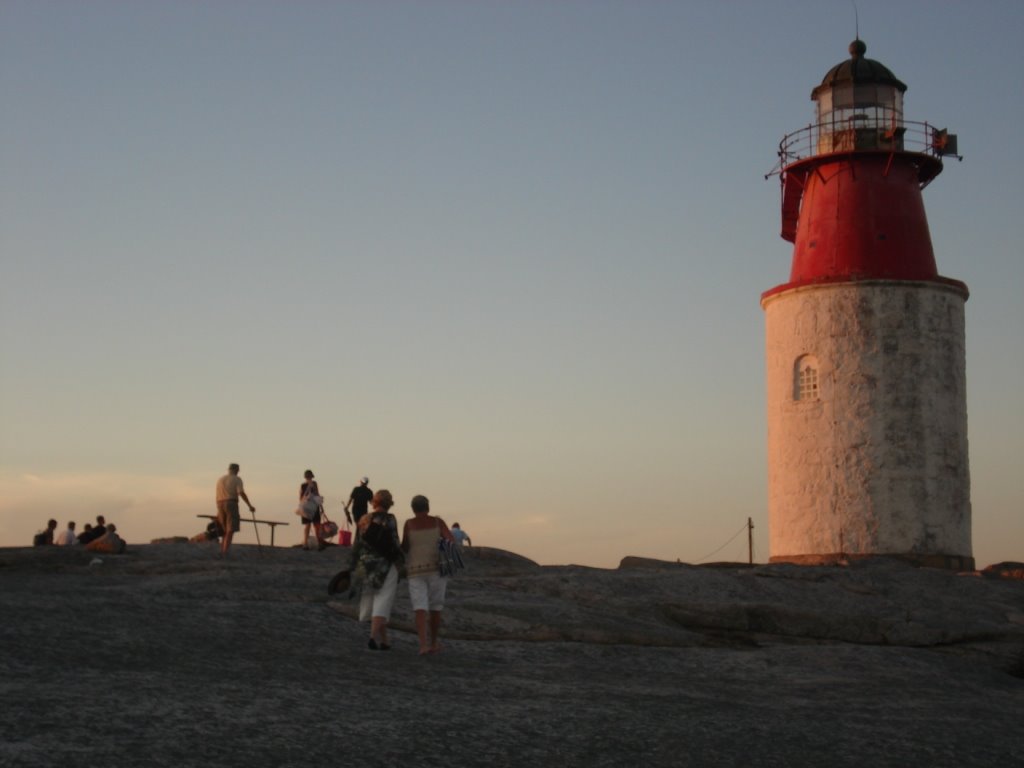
(858, 70)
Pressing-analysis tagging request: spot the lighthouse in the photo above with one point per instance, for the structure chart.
(865, 343)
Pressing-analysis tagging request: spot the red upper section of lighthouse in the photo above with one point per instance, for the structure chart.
(861, 217)
(851, 183)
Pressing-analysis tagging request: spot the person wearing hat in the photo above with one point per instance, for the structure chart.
(359, 500)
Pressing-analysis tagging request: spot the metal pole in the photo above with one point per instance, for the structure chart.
(750, 540)
(259, 546)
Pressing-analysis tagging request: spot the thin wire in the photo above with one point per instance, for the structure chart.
(730, 541)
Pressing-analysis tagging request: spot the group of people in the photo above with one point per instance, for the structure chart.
(379, 556)
(311, 507)
(102, 537)
(231, 489)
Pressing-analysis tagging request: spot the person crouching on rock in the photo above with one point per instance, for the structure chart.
(377, 558)
(426, 585)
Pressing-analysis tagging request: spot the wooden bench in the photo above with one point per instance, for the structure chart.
(272, 523)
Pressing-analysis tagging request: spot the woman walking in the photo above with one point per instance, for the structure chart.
(377, 557)
(420, 538)
(309, 490)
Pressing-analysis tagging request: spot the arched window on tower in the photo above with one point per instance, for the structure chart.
(805, 379)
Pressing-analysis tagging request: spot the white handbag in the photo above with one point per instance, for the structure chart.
(309, 506)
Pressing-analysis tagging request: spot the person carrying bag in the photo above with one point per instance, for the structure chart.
(378, 558)
(309, 509)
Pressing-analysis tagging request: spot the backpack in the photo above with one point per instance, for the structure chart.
(380, 539)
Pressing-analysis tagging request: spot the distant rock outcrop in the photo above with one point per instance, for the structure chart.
(1005, 570)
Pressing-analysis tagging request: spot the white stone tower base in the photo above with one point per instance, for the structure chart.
(867, 422)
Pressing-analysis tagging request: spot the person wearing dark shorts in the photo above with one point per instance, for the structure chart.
(229, 490)
(359, 500)
(310, 487)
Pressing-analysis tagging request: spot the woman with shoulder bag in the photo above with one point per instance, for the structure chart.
(311, 503)
(427, 586)
(378, 557)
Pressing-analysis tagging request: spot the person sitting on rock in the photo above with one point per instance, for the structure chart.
(93, 533)
(212, 532)
(66, 538)
(109, 542)
(45, 537)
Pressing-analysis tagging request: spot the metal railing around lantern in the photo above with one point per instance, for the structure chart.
(860, 132)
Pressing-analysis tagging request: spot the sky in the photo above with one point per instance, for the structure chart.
(508, 255)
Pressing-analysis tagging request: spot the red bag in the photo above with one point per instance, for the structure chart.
(327, 527)
(345, 537)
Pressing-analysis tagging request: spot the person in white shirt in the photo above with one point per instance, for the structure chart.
(229, 491)
(461, 537)
(66, 537)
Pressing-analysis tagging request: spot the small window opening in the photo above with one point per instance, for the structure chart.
(806, 379)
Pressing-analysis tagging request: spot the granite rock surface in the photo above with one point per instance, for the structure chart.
(171, 656)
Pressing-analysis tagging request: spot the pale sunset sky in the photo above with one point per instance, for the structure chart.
(508, 255)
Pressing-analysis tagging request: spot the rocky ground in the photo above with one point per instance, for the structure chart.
(171, 656)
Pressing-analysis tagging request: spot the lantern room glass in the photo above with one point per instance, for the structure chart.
(852, 116)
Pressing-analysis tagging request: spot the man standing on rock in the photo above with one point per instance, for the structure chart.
(359, 500)
(229, 489)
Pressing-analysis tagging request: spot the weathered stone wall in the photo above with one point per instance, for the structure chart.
(877, 463)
